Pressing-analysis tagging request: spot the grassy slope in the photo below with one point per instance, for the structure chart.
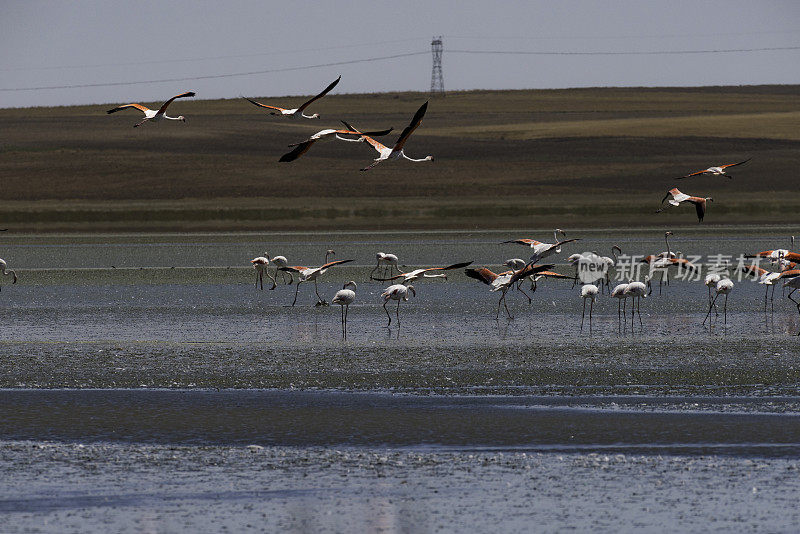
(503, 158)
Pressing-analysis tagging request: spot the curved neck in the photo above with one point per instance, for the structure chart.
(426, 158)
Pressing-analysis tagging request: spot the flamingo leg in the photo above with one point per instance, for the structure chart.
(765, 298)
(140, 123)
(259, 279)
(397, 313)
(505, 305)
(519, 288)
(772, 298)
(583, 314)
(297, 290)
(639, 310)
(385, 302)
(619, 313)
(591, 307)
(320, 301)
(710, 307)
(725, 312)
(373, 270)
(274, 285)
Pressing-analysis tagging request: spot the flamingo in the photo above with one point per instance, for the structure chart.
(384, 259)
(716, 171)
(503, 281)
(397, 292)
(260, 264)
(543, 250)
(396, 152)
(308, 273)
(344, 298)
(575, 260)
(416, 274)
(794, 283)
(723, 287)
(638, 290)
(588, 291)
(546, 274)
(303, 146)
(279, 262)
(5, 271)
(297, 113)
(678, 197)
(662, 264)
(764, 277)
(620, 294)
(711, 282)
(609, 263)
(150, 115)
(777, 254)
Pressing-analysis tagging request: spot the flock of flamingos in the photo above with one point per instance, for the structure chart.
(519, 270)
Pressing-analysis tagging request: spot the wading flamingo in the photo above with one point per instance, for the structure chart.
(416, 274)
(638, 290)
(764, 277)
(307, 274)
(716, 171)
(157, 115)
(397, 292)
(5, 271)
(678, 197)
(389, 261)
(303, 146)
(344, 298)
(724, 287)
(396, 152)
(588, 292)
(503, 281)
(297, 113)
(622, 298)
(260, 264)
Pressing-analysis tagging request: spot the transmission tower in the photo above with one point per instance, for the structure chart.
(437, 80)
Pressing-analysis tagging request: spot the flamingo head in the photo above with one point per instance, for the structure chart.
(428, 158)
(314, 116)
(351, 283)
(709, 199)
(412, 290)
(182, 118)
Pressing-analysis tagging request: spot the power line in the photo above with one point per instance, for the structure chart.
(636, 53)
(214, 76)
(615, 37)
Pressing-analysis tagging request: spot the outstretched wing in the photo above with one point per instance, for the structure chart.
(332, 263)
(693, 174)
(323, 93)
(529, 270)
(483, 274)
(395, 277)
(375, 144)
(299, 150)
(700, 207)
(450, 267)
(734, 164)
(140, 107)
(415, 121)
(526, 242)
(259, 104)
(163, 107)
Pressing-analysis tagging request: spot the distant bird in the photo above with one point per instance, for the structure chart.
(543, 250)
(297, 113)
(678, 197)
(5, 271)
(396, 152)
(260, 264)
(717, 171)
(150, 115)
(416, 274)
(344, 298)
(308, 274)
(386, 260)
(397, 292)
(723, 287)
(764, 277)
(638, 290)
(503, 281)
(622, 298)
(303, 146)
(588, 292)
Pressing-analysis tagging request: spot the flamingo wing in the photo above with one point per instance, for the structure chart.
(299, 150)
(140, 107)
(450, 267)
(693, 174)
(332, 263)
(163, 107)
(529, 270)
(317, 97)
(259, 104)
(375, 144)
(734, 164)
(483, 274)
(415, 122)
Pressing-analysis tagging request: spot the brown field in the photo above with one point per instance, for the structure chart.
(581, 157)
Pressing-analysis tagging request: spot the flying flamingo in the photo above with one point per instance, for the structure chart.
(543, 250)
(297, 113)
(384, 259)
(150, 115)
(678, 197)
(622, 298)
(260, 264)
(503, 281)
(638, 290)
(397, 292)
(588, 291)
(777, 254)
(724, 287)
(416, 274)
(396, 152)
(344, 298)
(5, 271)
(308, 273)
(303, 146)
(716, 171)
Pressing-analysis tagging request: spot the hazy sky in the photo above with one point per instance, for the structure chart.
(61, 43)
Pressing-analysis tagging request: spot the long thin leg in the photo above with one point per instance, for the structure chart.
(710, 307)
(320, 301)
(397, 313)
(772, 298)
(385, 302)
(583, 314)
(619, 314)
(373, 270)
(274, 285)
(765, 298)
(503, 298)
(591, 307)
(296, 290)
(639, 310)
(519, 287)
(624, 311)
(725, 312)
(260, 279)
(497, 315)
(140, 123)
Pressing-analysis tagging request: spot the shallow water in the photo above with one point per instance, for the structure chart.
(174, 349)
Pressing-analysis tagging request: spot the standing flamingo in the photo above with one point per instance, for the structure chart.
(344, 298)
(260, 264)
(711, 282)
(5, 271)
(397, 292)
(716, 171)
(588, 291)
(609, 263)
(396, 152)
(638, 290)
(307, 273)
(621, 295)
(763, 277)
(297, 113)
(151, 115)
(724, 287)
